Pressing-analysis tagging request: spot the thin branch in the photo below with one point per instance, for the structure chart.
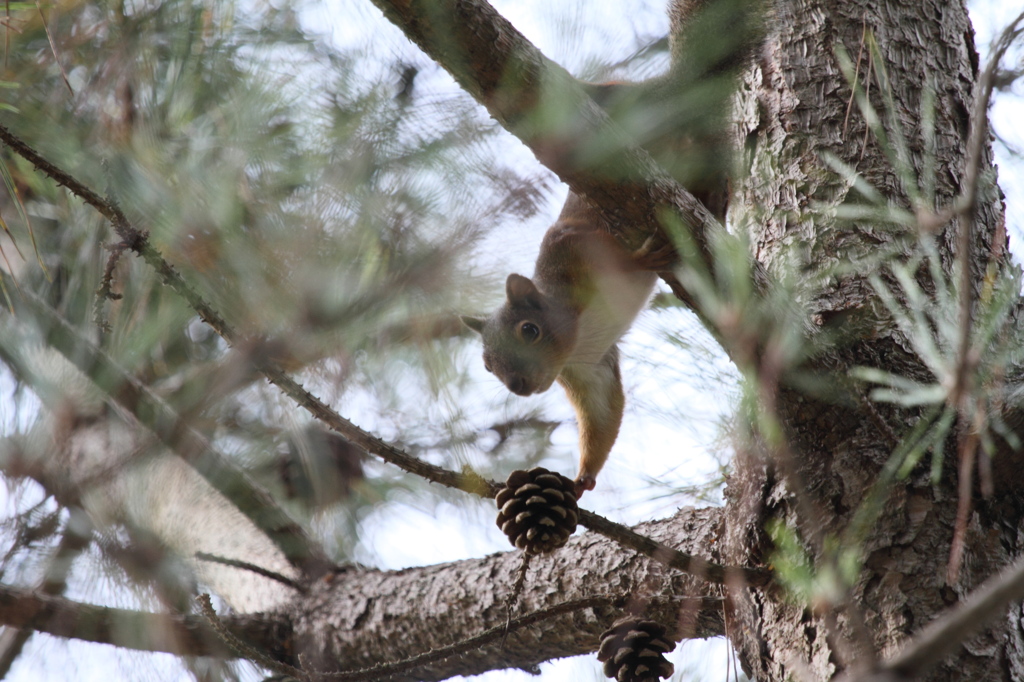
(856, 73)
(943, 636)
(74, 539)
(517, 588)
(240, 648)
(967, 453)
(472, 483)
(969, 199)
(770, 368)
(654, 47)
(503, 71)
(139, 630)
(62, 178)
(105, 291)
(687, 563)
(246, 566)
(967, 207)
(979, 117)
(467, 481)
(383, 670)
(53, 49)
(138, 241)
(182, 439)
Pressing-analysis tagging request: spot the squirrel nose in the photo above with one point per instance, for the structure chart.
(518, 385)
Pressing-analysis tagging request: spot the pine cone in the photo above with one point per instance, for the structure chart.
(537, 510)
(633, 650)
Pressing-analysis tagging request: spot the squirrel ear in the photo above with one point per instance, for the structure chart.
(521, 291)
(474, 323)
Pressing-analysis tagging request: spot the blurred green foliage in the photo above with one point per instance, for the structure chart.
(322, 201)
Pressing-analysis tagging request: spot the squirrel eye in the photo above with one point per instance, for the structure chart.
(529, 331)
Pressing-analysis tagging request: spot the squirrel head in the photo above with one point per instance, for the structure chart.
(528, 340)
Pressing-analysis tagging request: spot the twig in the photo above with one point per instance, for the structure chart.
(966, 208)
(856, 72)
(513, 595)
(867, 99)
(467, 481)
(968, 455)
(517, 586)
(182, 439)
(944, 635)
(636, 198)
(876, 418)
(240, 648)
(73, 541)
(138, 241)
(687, 563)
(62, 178)
(769, 373)
(53, 49)
(728, 636)
(105, 291)
(968, 201)
(968, 450)
(245, 565)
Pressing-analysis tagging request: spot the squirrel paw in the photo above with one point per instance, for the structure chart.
(655, 257)
(584, 483)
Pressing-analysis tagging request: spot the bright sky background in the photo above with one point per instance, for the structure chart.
(401, 536)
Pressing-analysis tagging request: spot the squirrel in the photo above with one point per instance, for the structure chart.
(564, 323)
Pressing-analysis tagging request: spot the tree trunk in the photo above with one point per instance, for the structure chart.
(796, 103)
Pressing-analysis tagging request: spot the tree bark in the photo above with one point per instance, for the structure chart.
(795, 114)
(360, 617)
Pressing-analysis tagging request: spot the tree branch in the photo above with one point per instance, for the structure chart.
(687, 563)
(944, 635)
(361, 617)
(466, 481)
(966, 360)
(519, 86)
(486, 637)
(138, 242)
(128, 393)
(368, 608)
(247, 566)
(240, 648)
(177, 634)
(75, 537)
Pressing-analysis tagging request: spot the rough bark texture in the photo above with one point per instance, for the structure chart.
(360, 617)
(795, 112)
